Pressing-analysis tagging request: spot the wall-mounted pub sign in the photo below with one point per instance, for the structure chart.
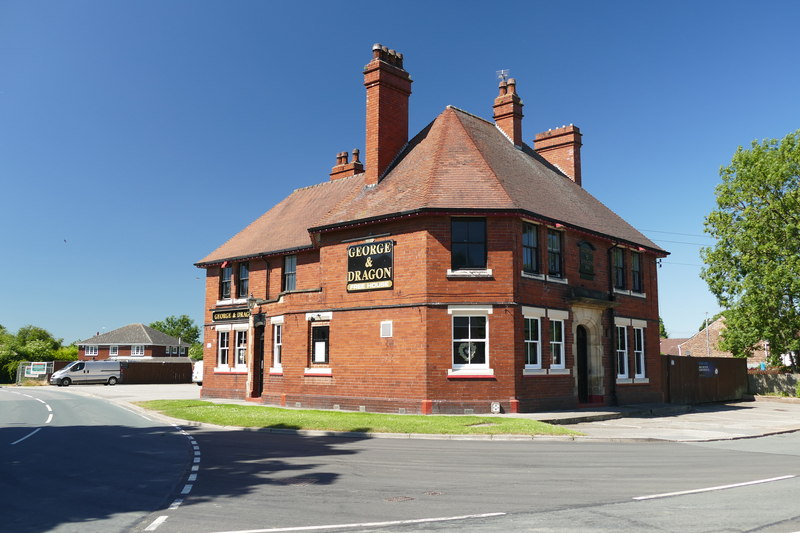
(370, 266)
(230, 314)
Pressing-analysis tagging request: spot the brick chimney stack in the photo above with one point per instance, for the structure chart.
(561, 147)
(388, 88)
(343, 168)
(508, 111)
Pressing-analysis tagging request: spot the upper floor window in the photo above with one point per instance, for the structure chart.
(555, 258)
(137, 350)
(113, 351)
(91, 351)
(289, 273)
(618, 267)
(530, 248)
(468, 248)
(636, 273)
(243, 280)
(225, 275)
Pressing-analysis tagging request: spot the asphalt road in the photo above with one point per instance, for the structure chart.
(74, 463)
(249, 480)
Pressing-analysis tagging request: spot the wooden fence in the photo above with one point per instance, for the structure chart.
(691, 380)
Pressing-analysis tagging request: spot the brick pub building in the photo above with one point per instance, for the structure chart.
(458, 271)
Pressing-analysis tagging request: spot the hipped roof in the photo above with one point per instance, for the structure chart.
(459, 162)
(134, 334)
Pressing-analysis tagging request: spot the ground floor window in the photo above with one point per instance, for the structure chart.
(638, 352)
(320, 343)
(533, 347)
(557, 344)
(470, 337)
(223, 347)
(622, 352)
(277, 344)
(241, 348)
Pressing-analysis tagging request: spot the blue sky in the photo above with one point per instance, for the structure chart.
(137, 136)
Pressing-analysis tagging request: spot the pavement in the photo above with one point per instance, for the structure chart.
(646, 422)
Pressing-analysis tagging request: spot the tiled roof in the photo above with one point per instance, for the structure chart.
(285, 226)
(458, 162)
(134, 334)
(464, 162)
(670, 346)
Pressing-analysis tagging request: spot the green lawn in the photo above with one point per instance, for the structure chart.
(272, 417)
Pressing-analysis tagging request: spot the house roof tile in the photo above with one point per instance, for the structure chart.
(134, 334)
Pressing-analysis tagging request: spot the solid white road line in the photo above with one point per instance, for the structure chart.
(31, 434)
(710, 489)
(369, 524)
(157, 522)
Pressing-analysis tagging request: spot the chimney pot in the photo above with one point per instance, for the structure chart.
(508, 111)
(355, 155)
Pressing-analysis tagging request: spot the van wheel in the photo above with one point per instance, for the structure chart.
(65, 382)
(112, 380)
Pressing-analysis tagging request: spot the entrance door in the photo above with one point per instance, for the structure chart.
(258, 363)
(583, 364)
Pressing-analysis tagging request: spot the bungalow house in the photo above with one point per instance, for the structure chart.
(131, 342)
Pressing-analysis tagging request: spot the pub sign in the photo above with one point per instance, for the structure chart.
(229, 315)
(370, 266)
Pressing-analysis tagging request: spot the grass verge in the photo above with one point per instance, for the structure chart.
(259, 416)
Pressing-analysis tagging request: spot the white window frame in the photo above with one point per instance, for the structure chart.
(91, 350)
(386, 328)
(537, 314)
(277, 346)
(557, 345)
(113, 350)
(223, 348)
(137, 350)
(533, 324)
(240, 349)
(638, 353)
(470, 368)
(621, 350)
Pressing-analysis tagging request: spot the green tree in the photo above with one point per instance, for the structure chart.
(662, 330)
(181, 327)
(31, 343)
(754, 267)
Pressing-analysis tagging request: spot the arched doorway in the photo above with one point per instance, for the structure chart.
(582, 342)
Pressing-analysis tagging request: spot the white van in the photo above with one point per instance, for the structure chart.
(197, 372)
(106, 372)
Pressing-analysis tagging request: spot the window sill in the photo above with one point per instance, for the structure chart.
(229, 372)
(551, 279)
(276, 371)
(232, 301)
(642, 381)
(470, 373)
(530, 275)
(470, 273)
(559, 371)
(534, 371)
(317, 372)
(624, 381)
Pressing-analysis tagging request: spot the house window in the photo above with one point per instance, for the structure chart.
(468, 243)
(636, 273)
(470, 336)
(622, 352)
(289, 273)
(113, 351)
(533, 347)
(554, 255)
(225, 274)
(586, 260)
(243, 281)
(91, 351)
(638, 352)
(530, 248)
(223, 346)
(241, 348)
(137, 350)
(320, 343)
(277, 344)
(618, 267)
(557, 344)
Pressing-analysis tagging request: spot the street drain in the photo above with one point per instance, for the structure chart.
(399, 499)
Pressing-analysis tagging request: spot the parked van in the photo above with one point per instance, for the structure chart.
(106, 372)
(197, 372)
